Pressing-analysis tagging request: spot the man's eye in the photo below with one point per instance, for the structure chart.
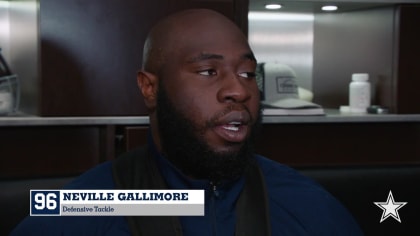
(207, 72)
(247, 74)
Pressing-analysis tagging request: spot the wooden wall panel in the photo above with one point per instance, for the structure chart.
(91, 51)
(408, 82)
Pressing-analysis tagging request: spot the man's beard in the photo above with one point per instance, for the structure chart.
(184, 146)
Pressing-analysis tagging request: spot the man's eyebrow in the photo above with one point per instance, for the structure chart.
(250, 56)
(205, 56)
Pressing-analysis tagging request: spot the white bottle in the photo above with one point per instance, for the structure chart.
(359, 93)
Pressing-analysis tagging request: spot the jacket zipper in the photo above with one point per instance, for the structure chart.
(214, 196)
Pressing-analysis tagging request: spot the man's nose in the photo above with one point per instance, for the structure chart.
(233, 89)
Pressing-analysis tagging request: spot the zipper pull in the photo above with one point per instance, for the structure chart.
(214, 189)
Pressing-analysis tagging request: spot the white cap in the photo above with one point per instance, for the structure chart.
(360, 77)
(280, 87)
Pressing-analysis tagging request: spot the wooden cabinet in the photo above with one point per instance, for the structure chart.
(322, 143)
(339, 144)
(59, 146)
(39, 151)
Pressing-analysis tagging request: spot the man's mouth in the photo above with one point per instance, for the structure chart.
(233, 127)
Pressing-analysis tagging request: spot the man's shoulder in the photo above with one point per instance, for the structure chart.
(99, 177)
(276, 171)
(296, 200)
(290, 184)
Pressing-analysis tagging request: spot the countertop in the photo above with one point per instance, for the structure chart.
(331, 117)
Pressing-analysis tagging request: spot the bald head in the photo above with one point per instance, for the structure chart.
(186, 29)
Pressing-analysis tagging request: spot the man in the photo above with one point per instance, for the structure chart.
(198, 83)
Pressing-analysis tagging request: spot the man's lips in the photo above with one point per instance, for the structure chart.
(233, 127)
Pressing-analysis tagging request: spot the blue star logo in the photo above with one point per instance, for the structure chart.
(390, 208)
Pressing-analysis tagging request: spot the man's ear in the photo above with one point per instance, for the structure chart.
(148, 85)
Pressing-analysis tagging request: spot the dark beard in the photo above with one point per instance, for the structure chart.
(184, 146)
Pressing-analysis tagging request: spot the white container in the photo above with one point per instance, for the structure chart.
(359, 93)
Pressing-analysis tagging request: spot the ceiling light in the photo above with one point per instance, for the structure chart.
(329, 8)
(272, 6)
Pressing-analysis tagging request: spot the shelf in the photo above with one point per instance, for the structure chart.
(331, 117)
(68, 121)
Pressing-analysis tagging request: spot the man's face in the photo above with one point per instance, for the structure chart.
(208, 86)
(212, 82)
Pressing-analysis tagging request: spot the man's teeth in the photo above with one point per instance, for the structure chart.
(232, 126)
